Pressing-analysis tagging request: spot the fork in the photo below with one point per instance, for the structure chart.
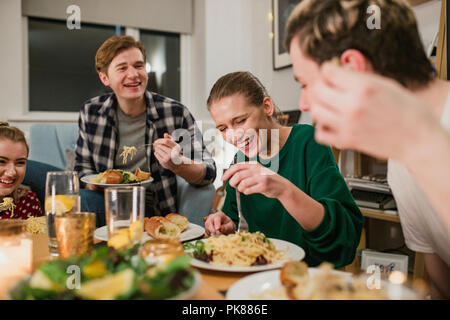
(243, 225)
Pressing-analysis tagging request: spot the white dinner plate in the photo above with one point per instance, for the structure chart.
(193, 231)
(90, 177)
(267, 286)
(294, 252)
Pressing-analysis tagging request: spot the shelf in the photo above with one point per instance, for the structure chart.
(380, 215)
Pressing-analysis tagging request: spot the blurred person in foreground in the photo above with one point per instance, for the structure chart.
(377, 116)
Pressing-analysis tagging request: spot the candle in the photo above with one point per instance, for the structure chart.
(396, 279)
(15, 254)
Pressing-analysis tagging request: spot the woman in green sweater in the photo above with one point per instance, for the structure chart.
(290, 186)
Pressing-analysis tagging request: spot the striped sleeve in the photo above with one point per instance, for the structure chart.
(84, 163)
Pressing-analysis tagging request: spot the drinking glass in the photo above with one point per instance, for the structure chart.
(124, 210)
(75, 233)
(62, 195)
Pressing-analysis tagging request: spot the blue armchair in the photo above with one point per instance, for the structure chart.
(52, 149)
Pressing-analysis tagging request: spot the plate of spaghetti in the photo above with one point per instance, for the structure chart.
(242, 252)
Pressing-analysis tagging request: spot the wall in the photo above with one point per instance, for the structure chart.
(427, 15)
(11, 77)
(144, 14)
(238, 38)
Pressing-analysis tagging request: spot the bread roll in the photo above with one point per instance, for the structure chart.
(290, 275)
(112, 177)
(181, 221)
(161, 228)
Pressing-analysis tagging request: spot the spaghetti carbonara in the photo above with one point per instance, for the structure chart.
(243, 249)
(128, 151)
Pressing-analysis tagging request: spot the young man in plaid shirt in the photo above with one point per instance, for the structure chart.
(133, 116)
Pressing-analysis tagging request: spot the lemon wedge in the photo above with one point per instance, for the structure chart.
(40, 281)
(95, 269)
(62, 204)
(119, 241)
(109, 287)
(136, 231)
(126, 237)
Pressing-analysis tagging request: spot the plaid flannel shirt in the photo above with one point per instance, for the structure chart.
(98, 141)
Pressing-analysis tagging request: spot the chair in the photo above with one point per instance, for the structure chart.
(51, 143)
(194, 202)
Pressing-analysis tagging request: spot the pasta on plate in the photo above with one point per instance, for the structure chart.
(243, 249)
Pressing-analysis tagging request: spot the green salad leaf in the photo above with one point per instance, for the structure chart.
(197, 247)
(126, 178)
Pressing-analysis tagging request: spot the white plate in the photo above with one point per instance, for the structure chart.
(193, 231)
(88, 179)
(294, 252)
(267, 286)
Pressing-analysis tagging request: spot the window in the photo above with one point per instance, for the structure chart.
(62, 71)
(61, 64)
(163, 62)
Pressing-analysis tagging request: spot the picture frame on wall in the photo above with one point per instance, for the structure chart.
(281, 11)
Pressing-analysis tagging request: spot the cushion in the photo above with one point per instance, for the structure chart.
(49, 142)
(70, 159)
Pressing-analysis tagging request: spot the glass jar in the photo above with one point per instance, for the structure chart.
(156, 251)
(15, 254)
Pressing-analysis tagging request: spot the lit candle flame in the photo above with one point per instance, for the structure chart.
(397, 277)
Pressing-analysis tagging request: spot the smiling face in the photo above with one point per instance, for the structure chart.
(13, 159)
(126, 75)
(240, 123)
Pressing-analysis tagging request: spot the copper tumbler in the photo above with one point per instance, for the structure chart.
(75, 233)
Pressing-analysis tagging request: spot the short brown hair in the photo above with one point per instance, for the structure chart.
(242, 82)
(12, 133)
(111, 47)
(327, 28)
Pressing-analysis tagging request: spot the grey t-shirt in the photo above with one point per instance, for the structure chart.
(132, 133)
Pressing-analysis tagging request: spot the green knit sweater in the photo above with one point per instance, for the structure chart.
(312, 168)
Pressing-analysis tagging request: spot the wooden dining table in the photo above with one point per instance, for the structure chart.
(213, 286)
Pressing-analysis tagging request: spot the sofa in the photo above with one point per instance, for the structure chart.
(52, 147)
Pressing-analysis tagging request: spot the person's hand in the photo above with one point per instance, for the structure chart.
(219, 223)
(366, 112)
(168, 152)
(252, 177)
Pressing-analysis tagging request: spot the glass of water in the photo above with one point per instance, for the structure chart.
(62, 195)
(124, 209)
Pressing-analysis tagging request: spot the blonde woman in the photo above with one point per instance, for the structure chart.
(16, 201)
